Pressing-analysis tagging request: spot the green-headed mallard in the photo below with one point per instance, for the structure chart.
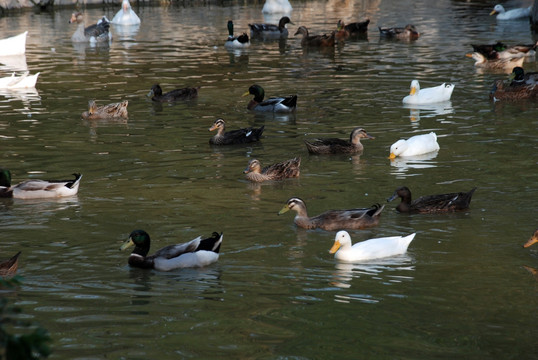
(37, 189)
(274, 104)
(415, 145)
(195, 253)
(110, 111)
(239, 136)
(236, 42)
(315, 40)
(278, 171)
(520, 77)
(409, 32)
(8, 267)
(532, 240)
(188, 93)
(432, 203)
(96, 33)
(418, 96)
(339, 146)
(271, 31)
(481, 61)
(343, 30)
(522, 86)
(333, 219)
(368, 249)
(503, 51)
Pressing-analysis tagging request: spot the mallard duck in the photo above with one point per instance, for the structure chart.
(415, 145)
(512, 14)
(274, 104)
(333, 219)
(519, 77)
(409, 32)
(368, 249)
(14, 45)
(195, 253)
(271, 31)
(522, 86)
(236, 42)
(110, 111)
(8, 267)
(315, 40)
(188, 93)
(495, 64)
(94, 33)
(240, 136)
(343, 31)
(418, 96)
(277, 7)
(532, 240)
(432, 203)
(24, 81)
(339, 146)
(502, 51)
(37, 189)
(126, 15)
(278, 171)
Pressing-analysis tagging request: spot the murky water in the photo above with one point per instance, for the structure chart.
(460, 291)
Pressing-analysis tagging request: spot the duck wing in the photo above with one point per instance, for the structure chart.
(443, 202)
(261, 28)
(282, 170)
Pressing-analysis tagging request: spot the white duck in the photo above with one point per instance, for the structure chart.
(277, 7)
(15, 45)
(513, 14)
(126, 16)
(415, 145)
(25, 81)
(418, 96)
(369, 249)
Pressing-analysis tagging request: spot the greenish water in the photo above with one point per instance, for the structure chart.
(461, 290)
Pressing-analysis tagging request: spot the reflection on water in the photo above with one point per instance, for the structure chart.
(429, 110)
(403, 164)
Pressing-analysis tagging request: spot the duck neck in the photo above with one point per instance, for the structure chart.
(257, 177)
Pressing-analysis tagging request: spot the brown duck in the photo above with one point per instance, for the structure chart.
(339, 146)
(432, 203)
(110, 111)
(315, 40)
(279, 171)
(8, 268)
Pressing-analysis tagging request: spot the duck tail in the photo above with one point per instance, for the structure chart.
(211, 244)
(290, 102)
(376, 210)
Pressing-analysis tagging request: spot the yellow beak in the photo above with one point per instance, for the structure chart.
(413, 91)
(246, 94)
(493, 12)
(127, 244)
(335, 247)
(284, 209)
(532, 240)
(392, 156)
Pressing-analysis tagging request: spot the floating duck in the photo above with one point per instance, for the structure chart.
(126, 15)
(279, 171)
(432, 203)
(8, 268)
(520, 77)
(14, 45)
(188, 93)
(415, 145)
(501, 51)
(369, 249)
(37, 189)
(513, 14)
(495, 64)
(236, 42)
(25, 81)
(274, 104)
(333, 219)
(339, 146)
(315, 40)
(277, 7)
(271, 31)
(94, 33)
(195, 253)
(522, 86)
(110, 111)
(344, 31)
(418, 96)
(240, 136)
(532, 240)
(409, 32)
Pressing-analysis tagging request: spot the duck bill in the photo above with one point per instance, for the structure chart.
(394, 196)
(284, 210)
(493, 13)
(413, 91)
(532, 240)
(150, 94)
(127, 244)
(247, 170)
(335, 247)
(245, 94)
(370, 136)
(213, 127)
(469, 55)
(392, 156)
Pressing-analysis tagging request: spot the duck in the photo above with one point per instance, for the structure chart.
(418, 96)
(195, 253)
(236, 42)
(369, 249)
(409, 32)
(344, 31)
(333, 219)
(110, 111)
(95, 33)
(8, 267)
(271, 31)
(501, 51)
(187, 93)
(522, 86)
(278, 171)
(126, 15)
(432, 203)
(239, 136)
(512, 14)
(25, 81)
(415, 145)
(275, 104)
(339, 146)
(37, 189)
(519, 77)
(533, 239)
(482, 61)
(14, 45)
(315, 40)
(277, 7)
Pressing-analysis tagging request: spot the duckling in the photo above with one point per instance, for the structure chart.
(512, 14)
(432, 203)
(274, 104)
(110, 111)
(344, 31)
(126, 15)
(532, 240)
(409, 32)
(368, 249)
(482, 61)
(240, 136)
(278, 171)
(271, 31)
(315, 40)
(236, 42)
(333, 219)
(188, 93)
(195, 253)
(94, 33)
(339, 146)
(8, 268)
(37, 189)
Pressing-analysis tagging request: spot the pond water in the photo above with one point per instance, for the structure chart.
(460, 291)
